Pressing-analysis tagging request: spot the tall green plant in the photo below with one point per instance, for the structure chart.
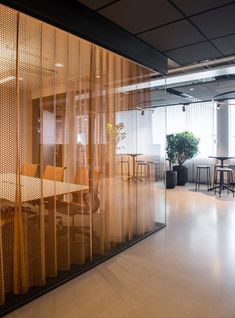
(181, 147)
(186, 146)
(170, 149)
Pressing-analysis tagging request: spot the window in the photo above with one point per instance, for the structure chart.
(199, 118)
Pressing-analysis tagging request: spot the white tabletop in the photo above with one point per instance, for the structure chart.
(34, 188)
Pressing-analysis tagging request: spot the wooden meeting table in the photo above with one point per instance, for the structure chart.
(221, 185)
(33, 189)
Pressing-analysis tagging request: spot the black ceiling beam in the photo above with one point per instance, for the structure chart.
(72, 16)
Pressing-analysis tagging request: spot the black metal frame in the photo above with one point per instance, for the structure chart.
(74, 17)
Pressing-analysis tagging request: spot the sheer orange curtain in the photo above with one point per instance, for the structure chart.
(119, 218)
(59, 95)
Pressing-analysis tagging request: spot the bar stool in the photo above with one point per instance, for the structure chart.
(229, 180)
(143, 169)
(153, 169)
(125, 166)
(215, 167)
(198, 176)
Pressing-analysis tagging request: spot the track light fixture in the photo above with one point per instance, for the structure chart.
(141, 110)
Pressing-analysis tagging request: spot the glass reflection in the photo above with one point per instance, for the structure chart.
(81, 175)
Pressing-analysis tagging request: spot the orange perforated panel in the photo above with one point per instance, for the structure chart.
(8, 29)
(69, 188)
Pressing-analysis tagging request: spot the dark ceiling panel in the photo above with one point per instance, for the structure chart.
(78, 19)
(95, 4)
(162, 97)
(193, 53)
(172, 36)
(221, 86)
(199, 91)
(218, 22)
(226, 44)
(193, 7)
(140, 15)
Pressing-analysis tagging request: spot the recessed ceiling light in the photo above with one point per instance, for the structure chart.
(191, 89)
(59, 65)
(9, 78)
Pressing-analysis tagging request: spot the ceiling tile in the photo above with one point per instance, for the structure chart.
(193, 53)
(140, 15)
(172, 36)
(95, 4)
(199, 91)
(193, 7)
(226, 44)
(218, 22)
(162, 97)
(224, 85)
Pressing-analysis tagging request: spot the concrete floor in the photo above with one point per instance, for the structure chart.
(185, 270)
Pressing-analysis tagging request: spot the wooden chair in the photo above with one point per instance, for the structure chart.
(54, 173)
(29, 169)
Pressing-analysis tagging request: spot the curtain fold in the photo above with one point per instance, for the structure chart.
(62, 111)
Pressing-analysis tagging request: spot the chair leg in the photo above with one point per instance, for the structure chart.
(209, 177)
(148, 171)
(228, 181)
(232, 183)
(215, 179)
(137, 170)
(214, 176)
(196, 180)
(199, 179)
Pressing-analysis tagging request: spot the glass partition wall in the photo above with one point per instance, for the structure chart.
(80, 175)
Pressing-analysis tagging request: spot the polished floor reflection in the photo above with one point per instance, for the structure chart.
(185, 270)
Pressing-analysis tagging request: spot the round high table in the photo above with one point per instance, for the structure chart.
(221, 185)
(133, 178)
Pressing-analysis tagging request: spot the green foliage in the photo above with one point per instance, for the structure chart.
(115, 134)
(170, 149)
(181, 147)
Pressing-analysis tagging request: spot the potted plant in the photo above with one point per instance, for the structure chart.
(171, 176)
(186, 146)
(115, 134)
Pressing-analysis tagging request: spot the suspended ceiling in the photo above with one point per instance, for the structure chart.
(185, 31)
